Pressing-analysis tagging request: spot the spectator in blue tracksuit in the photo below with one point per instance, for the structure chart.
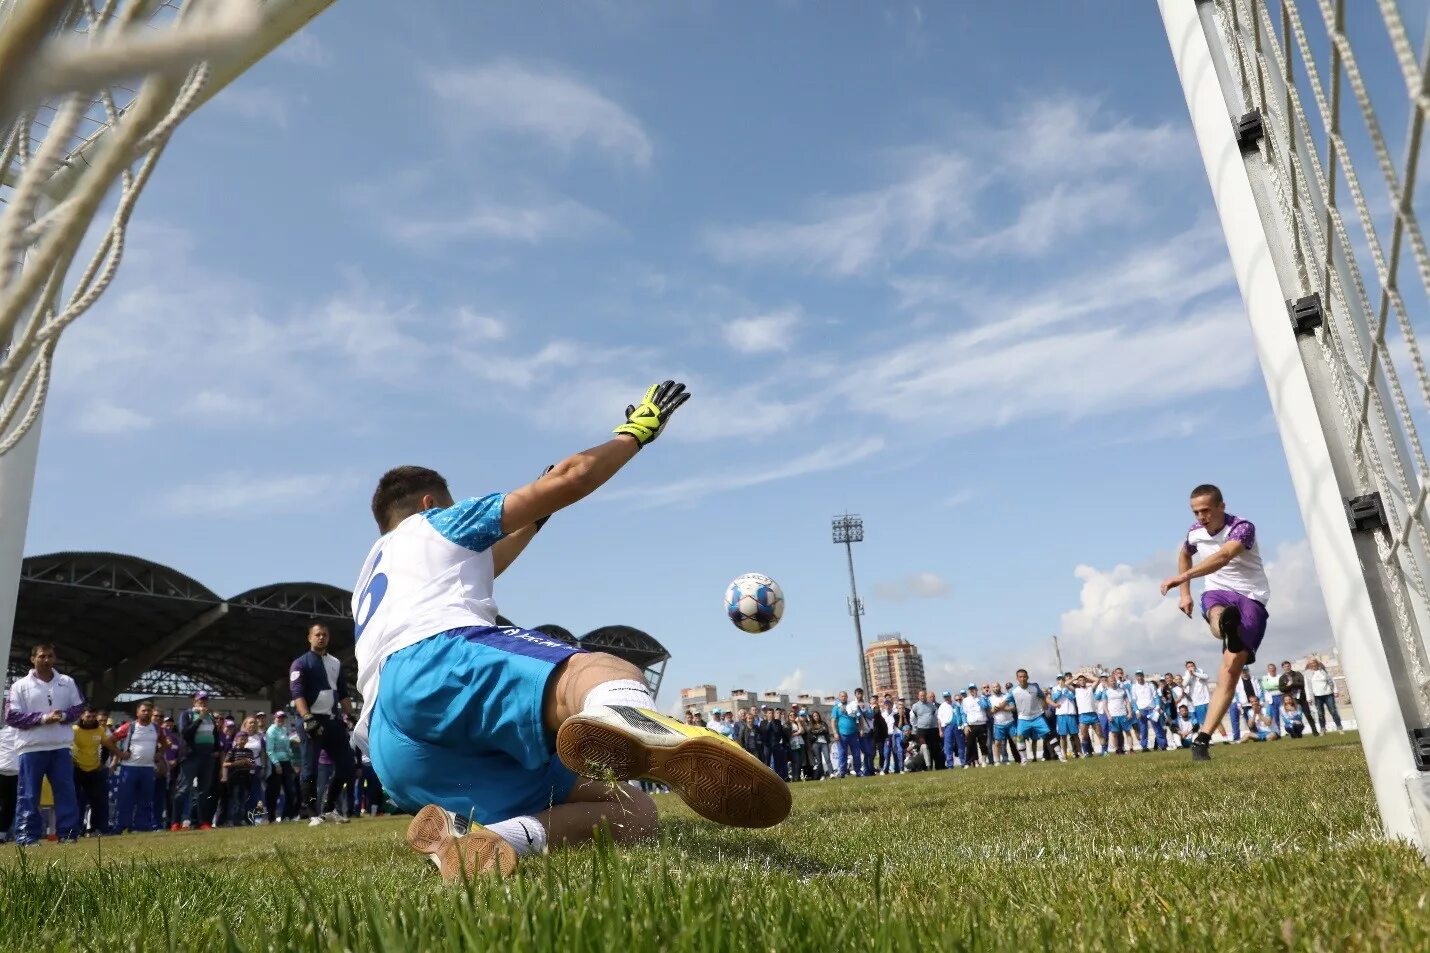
(960, 721)
(844, 717)
(865, 715)
(891, 759)
(948, 726)
(1146, 709)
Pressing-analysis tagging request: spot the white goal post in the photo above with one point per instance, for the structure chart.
(90, 93)
(1332, 328)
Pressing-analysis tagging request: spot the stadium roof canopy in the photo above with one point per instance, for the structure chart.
(123, 625)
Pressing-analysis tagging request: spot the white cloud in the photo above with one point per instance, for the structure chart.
(216, 351)
(248, 494)
(957, 498)
(526, 224)
(917, 585)
(1064, 166)
(305, 49)
(260, 103)
(764, 332)
(970, 380)
(793, 682)
(562, 112)
(1060, 214)
(1063, 136)
(853, 234)
(105, 417)
(480, 327)
(1122, 620)
(1107, 339)
(830, 457)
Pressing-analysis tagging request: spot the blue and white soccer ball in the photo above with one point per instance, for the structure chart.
(754, 603)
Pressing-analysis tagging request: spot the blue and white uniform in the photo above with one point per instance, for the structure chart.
(1147, 712)
(1030, 705)
(1198, 688)
(452, 702)
(1003, 718)
(1066, 701)
(1086, 704)
(1118, 708)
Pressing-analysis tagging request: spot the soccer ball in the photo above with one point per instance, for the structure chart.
(754, 603)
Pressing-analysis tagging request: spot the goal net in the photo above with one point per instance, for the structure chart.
(90, 93)
(1310, 117)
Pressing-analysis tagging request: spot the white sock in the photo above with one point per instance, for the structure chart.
(620, 691)
(524, 834)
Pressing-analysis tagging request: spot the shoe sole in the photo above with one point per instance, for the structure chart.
(478, 852)
(718, 782)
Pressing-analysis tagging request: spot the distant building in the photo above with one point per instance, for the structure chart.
(697, 696)
(705, 700)
(895, 668)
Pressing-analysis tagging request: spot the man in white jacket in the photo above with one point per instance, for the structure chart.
(42, 708)
(9, 775)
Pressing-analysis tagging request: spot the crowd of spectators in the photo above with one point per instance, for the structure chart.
(69, 769)
(1019, 721)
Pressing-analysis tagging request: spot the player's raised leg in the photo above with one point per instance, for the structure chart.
(607, 728)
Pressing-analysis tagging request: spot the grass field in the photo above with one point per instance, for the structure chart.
(1269, 847)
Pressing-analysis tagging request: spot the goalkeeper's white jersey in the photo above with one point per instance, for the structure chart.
(432, 573)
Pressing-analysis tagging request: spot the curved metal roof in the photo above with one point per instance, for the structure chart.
(113, 617)
(629, 643)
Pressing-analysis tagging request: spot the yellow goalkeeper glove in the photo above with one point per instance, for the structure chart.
(646, 420)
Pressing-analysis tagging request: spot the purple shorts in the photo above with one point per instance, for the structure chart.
(1253, 619)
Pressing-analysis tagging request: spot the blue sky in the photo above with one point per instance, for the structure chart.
(954, 267)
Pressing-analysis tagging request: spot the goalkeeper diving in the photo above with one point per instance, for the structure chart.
(505, 741)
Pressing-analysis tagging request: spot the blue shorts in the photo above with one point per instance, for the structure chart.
(1200, 714)
(1004, 732)
(1033, 728)
(458, 723)
(1067, 724)
(1119, 723)
(1087, 718)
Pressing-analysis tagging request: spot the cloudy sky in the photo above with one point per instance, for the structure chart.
(940, 265)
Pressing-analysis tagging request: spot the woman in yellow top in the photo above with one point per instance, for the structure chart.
(90, 780)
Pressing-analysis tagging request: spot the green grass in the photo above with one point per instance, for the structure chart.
(1269, 847)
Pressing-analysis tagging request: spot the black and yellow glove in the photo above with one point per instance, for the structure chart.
(646, 420)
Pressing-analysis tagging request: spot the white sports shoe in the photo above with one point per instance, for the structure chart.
(720, 780)
(457, 847)
(316, 820)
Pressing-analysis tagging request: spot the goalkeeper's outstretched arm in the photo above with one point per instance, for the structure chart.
(581, 474)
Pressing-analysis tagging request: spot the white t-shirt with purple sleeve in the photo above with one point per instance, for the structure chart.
(1244, 575)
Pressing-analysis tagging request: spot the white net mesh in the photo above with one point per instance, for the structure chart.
(90, 93)
(1343, 96)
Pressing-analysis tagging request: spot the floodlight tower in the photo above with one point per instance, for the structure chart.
(849, 529)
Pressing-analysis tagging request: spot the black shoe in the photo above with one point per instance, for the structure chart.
(1201, 752)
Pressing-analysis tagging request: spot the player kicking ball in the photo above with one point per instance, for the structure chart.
(1234, 602)
(487, 731)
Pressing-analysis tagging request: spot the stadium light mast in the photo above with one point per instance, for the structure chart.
(849, 529)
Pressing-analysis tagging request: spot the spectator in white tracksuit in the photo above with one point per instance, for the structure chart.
(1322, 688)
(43, 706)
(9, 775)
